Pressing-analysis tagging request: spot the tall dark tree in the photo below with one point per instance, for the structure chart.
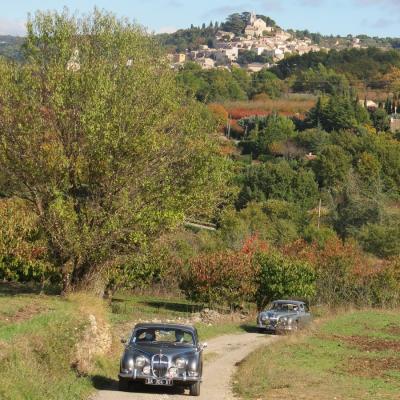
(235, 23)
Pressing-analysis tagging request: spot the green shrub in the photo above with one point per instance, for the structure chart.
(381, 240)
(313, 234)
(280, 276)
(384, 286)
(23, 253)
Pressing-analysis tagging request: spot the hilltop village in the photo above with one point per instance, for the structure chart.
(270, 42)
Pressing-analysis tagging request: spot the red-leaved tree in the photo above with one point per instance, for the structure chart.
(220, 278)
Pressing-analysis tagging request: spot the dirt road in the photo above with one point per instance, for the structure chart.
(221, 356)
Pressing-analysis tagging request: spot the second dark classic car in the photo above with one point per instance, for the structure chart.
(284, 315)
(163, 354)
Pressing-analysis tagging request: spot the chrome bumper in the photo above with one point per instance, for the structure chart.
(276, 327)
(136, 375)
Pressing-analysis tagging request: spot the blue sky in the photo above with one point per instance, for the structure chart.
(373, 17)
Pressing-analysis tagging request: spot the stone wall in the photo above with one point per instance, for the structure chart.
(96, 341)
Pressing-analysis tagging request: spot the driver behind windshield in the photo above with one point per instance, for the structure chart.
(284, 307)
(148, 335)
(179, 336)
(166, 335)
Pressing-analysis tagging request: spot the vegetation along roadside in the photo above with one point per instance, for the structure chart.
(350, 355)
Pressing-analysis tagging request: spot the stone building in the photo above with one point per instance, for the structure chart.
(257, 27)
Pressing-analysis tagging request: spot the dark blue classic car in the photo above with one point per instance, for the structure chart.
(284, 315)
(163, 355)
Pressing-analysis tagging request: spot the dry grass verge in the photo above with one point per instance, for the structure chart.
(40, 342)
(353, 355)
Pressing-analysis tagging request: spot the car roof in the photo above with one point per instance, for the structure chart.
(289, 301)
(161, 325)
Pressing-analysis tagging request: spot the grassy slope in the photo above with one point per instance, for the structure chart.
(352, 356)
(37, 340)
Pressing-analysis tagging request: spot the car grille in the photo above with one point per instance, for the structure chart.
(159, 365)
(271, 322)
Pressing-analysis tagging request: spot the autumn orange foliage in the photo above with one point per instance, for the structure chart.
(220, 113)
(347, 275)
(220, 278)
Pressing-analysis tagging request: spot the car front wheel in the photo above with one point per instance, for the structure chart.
(194, 389)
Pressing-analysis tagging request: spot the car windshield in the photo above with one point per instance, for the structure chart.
(285, 307)
(170, 336)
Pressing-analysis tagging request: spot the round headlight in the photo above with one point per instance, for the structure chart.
(173, 372)
(140, 361)
(180, 363)
(146, 369)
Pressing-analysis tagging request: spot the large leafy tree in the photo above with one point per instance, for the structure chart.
(392, 78)
(97, 138)
(321, 80)
(265, 81)
(278, 181)
(277, 129)
(338, 113)
(332, 166)
(213, 85)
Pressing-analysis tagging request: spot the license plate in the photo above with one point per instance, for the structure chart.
(160, 382)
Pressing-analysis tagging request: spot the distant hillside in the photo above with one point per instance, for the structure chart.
(344, 42)
(10, 47)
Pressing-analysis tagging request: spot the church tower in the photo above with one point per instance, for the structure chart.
(253, 18)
